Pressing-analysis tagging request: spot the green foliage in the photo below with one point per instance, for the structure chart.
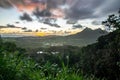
(113, 21)
(15, 66)
(0, 41)
(102, 58)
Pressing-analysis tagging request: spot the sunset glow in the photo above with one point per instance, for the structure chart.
(54, 17)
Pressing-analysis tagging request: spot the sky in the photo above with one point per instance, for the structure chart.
(56, 15)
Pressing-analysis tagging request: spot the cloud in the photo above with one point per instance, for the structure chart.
(51, 22)
(43, 13)
(17, 22)
(83, 9)
(26, 17)
(108, 7)
(5, 4)
(96, 22)
(70, 9)
(28, 30)
(67, 32)
(55, 25)
(22, 5)
(44, 8)
(55, 3)
(43, 28)
(11, 3)
(10, 25)
(50, 3)
(71, 22)
(89, 9)
(77, 26)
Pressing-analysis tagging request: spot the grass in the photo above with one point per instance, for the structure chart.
(16, 67)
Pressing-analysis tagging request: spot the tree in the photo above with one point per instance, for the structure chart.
(113, 21)
(0, 40)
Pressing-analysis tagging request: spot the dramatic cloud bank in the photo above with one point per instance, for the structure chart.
(73, 9)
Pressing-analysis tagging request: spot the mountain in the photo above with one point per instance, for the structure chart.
(88, 33)
(83, 38)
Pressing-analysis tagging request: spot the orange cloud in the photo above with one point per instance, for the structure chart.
(31, 6)
(57, 13)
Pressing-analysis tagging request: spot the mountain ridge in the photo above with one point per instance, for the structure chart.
(83, 38)
(89, 33)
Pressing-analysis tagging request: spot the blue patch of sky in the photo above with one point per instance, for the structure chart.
(8, 16)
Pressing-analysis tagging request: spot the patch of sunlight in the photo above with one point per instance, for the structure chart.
(40, 34)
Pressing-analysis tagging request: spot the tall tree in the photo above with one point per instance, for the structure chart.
(0, 40)
(113, 21)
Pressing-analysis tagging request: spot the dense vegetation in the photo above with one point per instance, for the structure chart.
(102, 59)
(99, 60)
(14, 65)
